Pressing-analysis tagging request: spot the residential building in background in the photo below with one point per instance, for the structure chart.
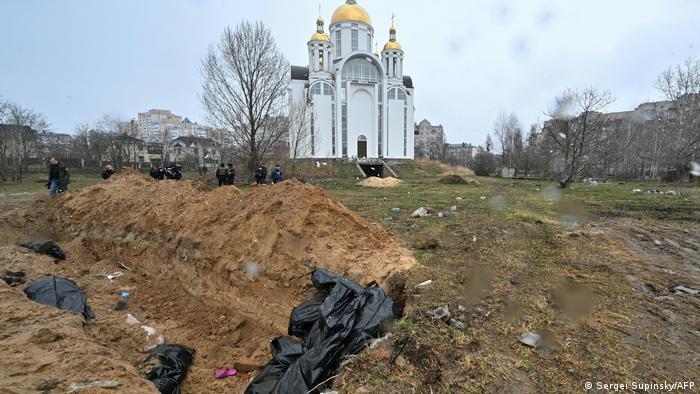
(156, 125)
(462, 154)
(429, 140)
(361, 102)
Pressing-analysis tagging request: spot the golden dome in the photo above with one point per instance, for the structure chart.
(318, 36)
(351, 11)
(392, 45)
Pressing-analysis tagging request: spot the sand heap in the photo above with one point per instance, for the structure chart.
(222, 244)
(374, 181)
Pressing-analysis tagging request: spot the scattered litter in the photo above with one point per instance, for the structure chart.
(338, 321)
(105, 384)
(443, 214)
(152, 344)
(442, 313)
(149, 330)
(462, 308)
(166, 366)
(395, 209)
(530, 339)
(426, 283)
(130, 320)
(658, 242)
(223, 373)
(457, 324)
(482, 198)
(686, 290)
(61, 293)
(251, 270)
(636, 190)
(114, 276)
(12, 278)
(474, 239)
(591, 181)
(379, 341)
(48, 248)
(420, 212)
(125, 293)
(453, 208)
(460, 198)
(125, 267)
(120, 305)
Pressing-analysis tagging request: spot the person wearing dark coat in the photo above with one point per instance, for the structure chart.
(260, 175)
(108, 172)
(277, 175)
(58, 178)
(222, 175)
(231, 174)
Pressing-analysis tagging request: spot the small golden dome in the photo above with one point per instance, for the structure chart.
(392, 45)
(318, 36)
(351, 11)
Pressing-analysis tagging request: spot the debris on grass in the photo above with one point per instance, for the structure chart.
(683, 289)
(531, 339)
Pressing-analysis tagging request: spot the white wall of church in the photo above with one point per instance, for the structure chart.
(361, 119)
(323, 112)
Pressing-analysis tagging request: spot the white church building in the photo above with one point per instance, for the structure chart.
(360, 103)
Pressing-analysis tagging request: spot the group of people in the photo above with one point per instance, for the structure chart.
(226, 174)
(172, 171)
(59, 177)
(261, 175)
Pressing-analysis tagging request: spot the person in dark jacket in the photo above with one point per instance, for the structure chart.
(260, 175)
(58, 177)
(222, 175)
(231, 174)
(108, 172)
(277, 175)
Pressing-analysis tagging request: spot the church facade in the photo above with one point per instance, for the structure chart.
(358, 102)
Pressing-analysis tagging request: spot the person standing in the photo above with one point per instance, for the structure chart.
(222, 175)
(231, 175)
(260, 175)
(277, 175)
(58, 177)
(108, 172)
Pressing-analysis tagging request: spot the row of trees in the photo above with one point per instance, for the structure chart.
(18, 138)
(579, 139)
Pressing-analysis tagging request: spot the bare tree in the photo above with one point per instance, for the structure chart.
(244, 85)
(575, 121)
(508, 128)
(680, 128)
(18, 138)
(300, 141)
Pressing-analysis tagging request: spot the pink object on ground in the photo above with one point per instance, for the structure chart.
(224, 373)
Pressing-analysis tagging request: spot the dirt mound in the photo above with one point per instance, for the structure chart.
(454, 179)
(218, 270)
(374, 181)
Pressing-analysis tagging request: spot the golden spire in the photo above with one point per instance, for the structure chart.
(392, 44)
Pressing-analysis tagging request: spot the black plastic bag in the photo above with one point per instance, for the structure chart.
(60, 292)
(44, 247)
(338, 321)
(170, 368)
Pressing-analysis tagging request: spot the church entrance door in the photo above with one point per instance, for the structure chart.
(361, 147)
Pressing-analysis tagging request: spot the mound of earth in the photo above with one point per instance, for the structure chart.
(217, 270)
(374, 181)
(454, 179)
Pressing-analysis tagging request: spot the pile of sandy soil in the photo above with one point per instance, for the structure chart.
(217, 270)
(374, 181)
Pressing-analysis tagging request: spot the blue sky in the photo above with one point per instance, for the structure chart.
(75, 60)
